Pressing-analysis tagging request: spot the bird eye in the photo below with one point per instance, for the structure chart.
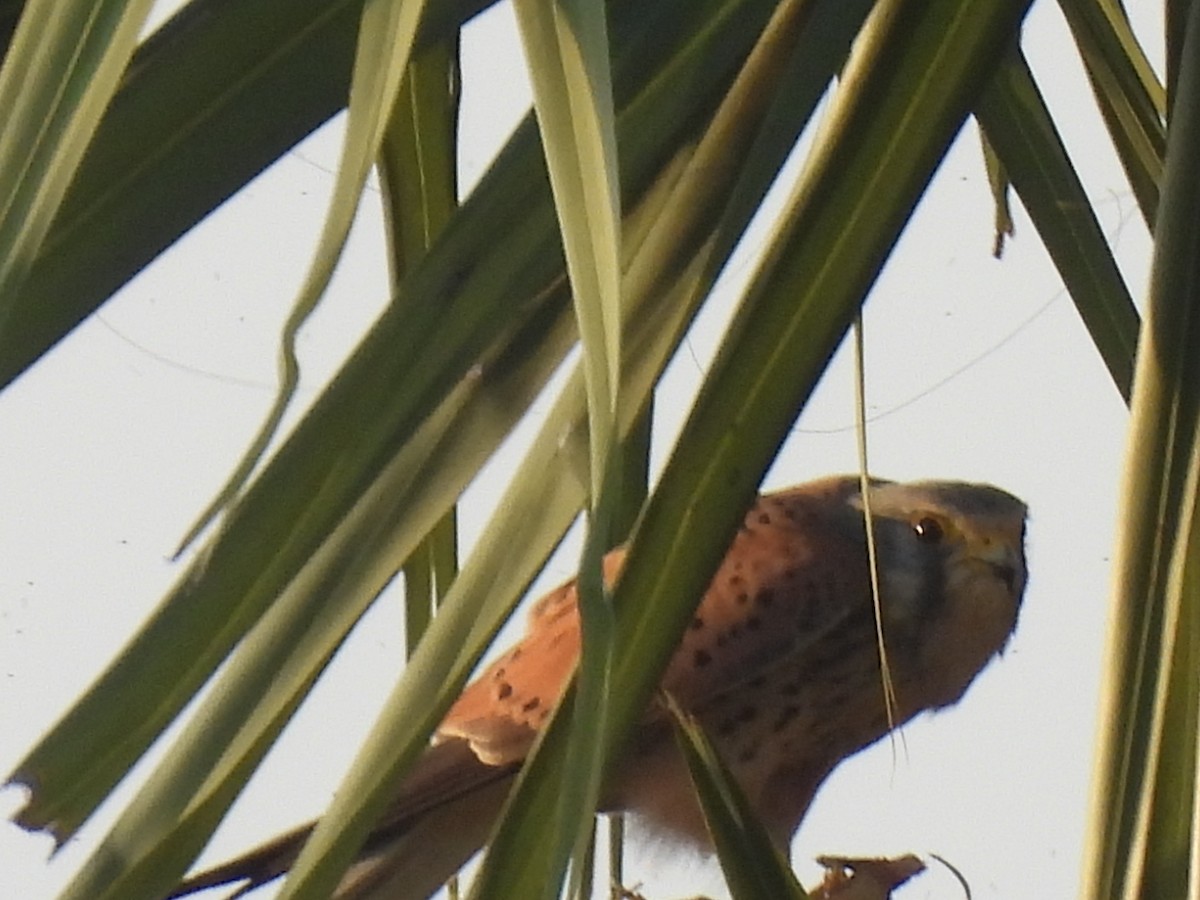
(928, 529)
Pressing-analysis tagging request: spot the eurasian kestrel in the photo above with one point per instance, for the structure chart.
(780, 665)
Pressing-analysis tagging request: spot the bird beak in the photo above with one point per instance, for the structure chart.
(1005, 562)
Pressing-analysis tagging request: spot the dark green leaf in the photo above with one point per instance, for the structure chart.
(1019, 127)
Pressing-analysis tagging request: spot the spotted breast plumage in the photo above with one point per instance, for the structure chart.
(780, 665)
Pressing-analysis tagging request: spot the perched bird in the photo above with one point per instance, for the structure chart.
(780, 665)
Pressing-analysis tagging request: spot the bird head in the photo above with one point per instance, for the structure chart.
(952, 575)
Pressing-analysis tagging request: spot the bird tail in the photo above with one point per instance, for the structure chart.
(443, 813)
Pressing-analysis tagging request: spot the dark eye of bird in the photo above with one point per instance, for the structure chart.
(929, 530)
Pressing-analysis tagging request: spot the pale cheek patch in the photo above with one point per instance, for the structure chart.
(968, 636)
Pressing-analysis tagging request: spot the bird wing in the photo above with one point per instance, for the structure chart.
(440, 817)
(501, 712)
(793, 574)
(781, 586)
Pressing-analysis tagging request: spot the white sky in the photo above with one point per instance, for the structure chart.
(976, 369)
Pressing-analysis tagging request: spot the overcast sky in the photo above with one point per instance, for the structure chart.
(976, 369)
